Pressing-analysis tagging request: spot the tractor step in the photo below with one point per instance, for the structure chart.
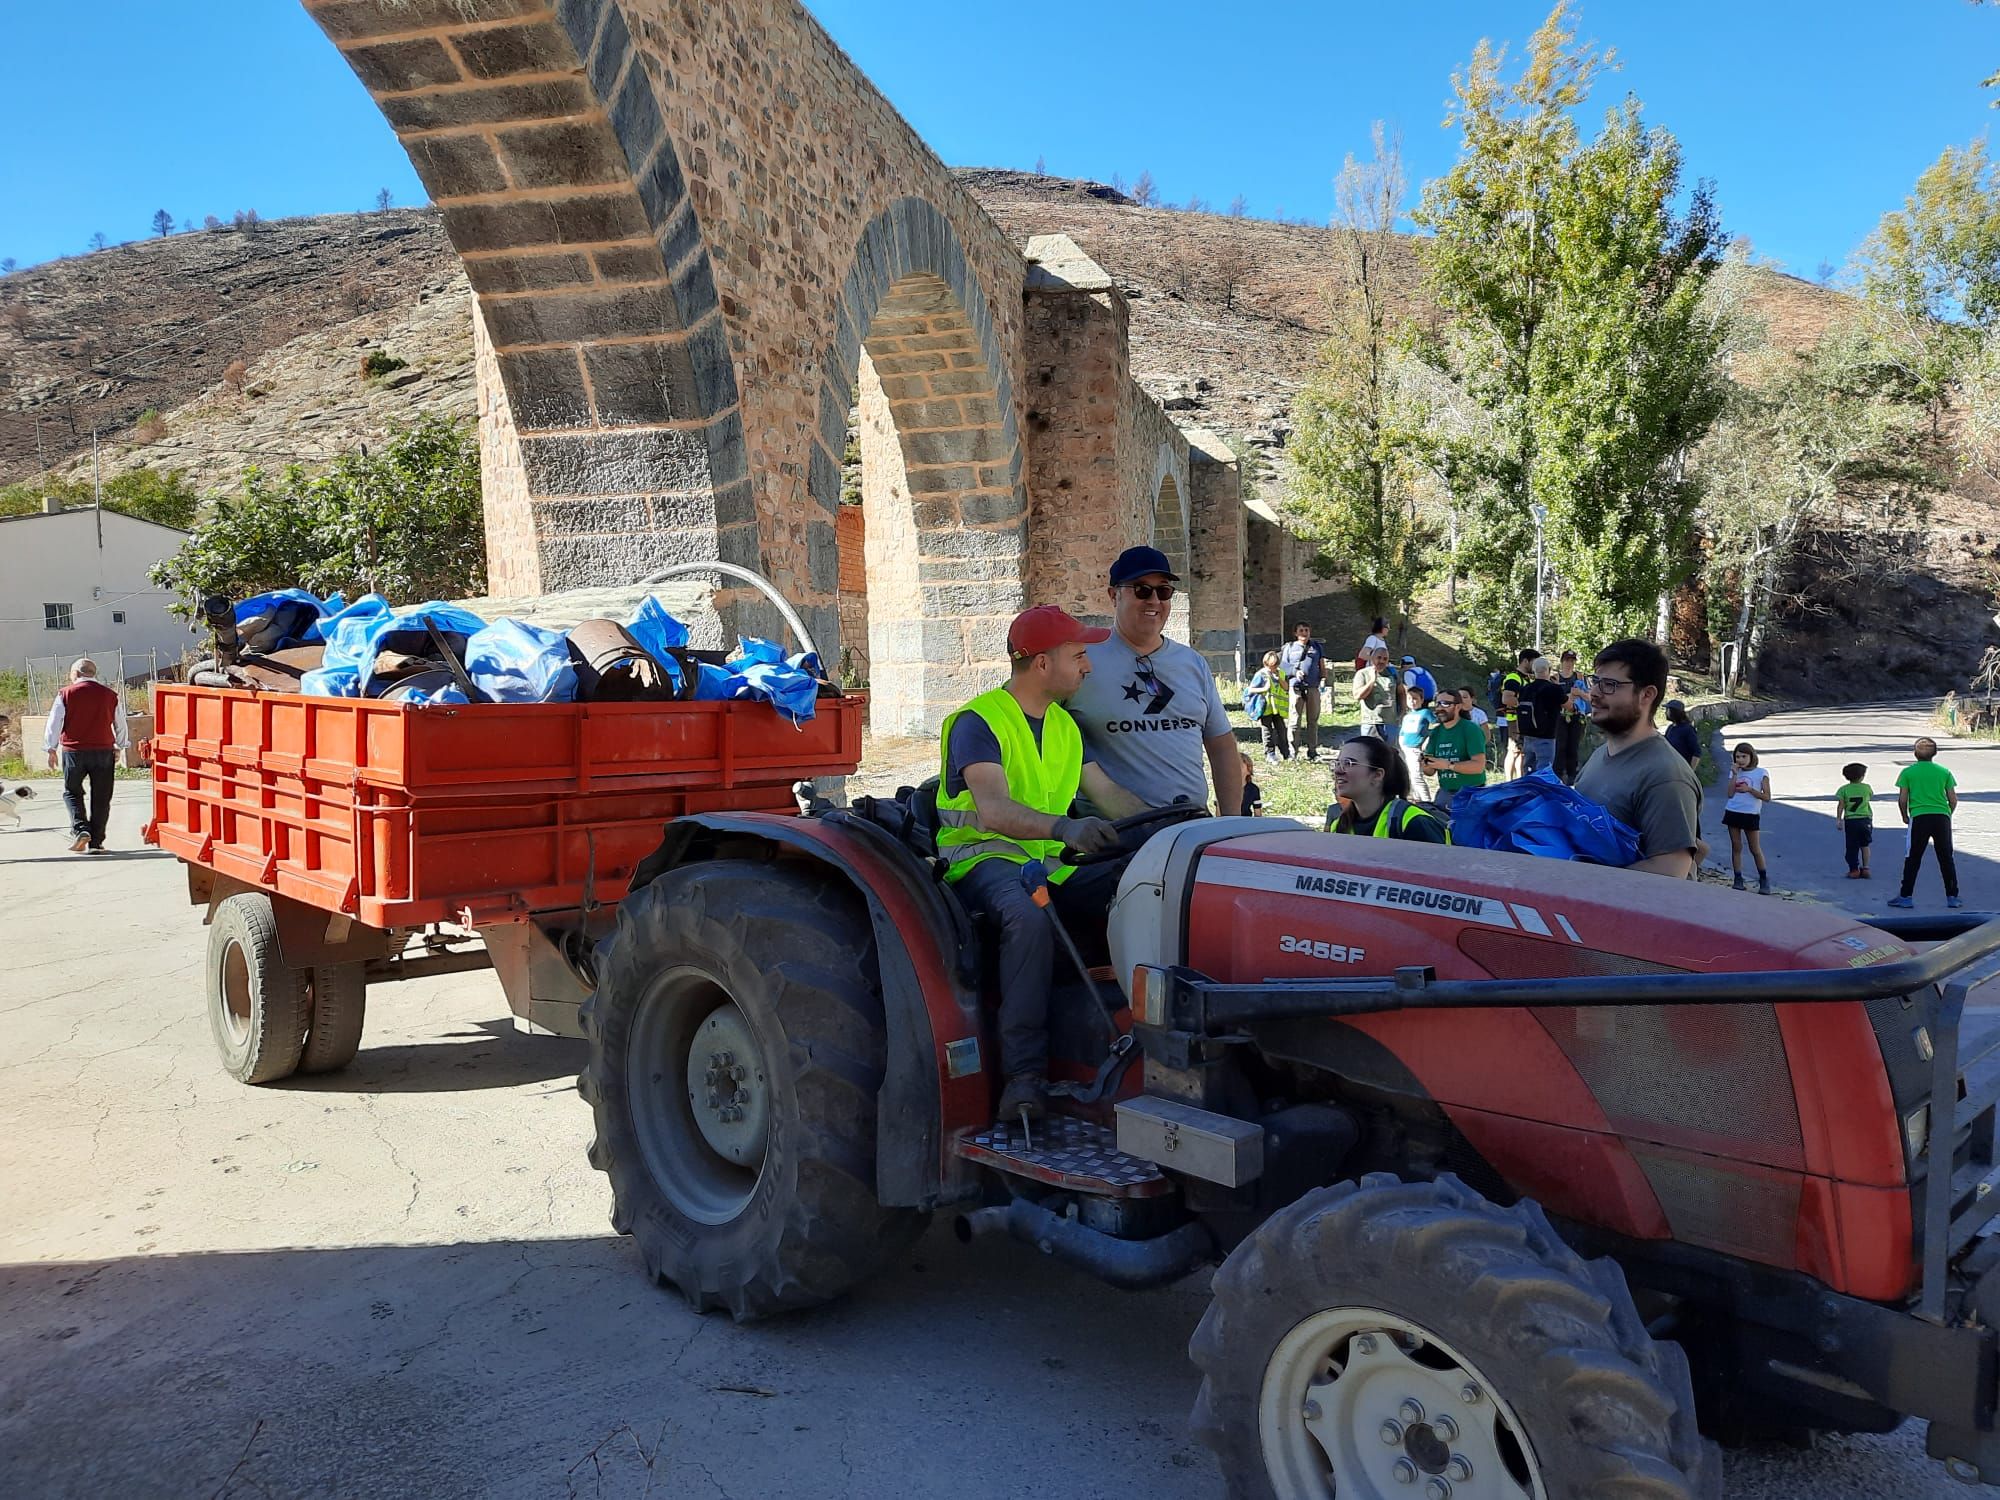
(1063, 1152)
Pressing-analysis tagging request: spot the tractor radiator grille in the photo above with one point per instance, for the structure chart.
(1744, 1212)
(1713, 1077)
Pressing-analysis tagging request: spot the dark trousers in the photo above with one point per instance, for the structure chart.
(1305, 720)
(1569, 749)
(1028, 948)
(94, 767)
(1930, 828)
(1860, 833)
(1274, 741)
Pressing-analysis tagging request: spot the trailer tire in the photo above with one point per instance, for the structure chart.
(747, 968)
(1565, 1383)
(258, 1005)
(339, 1007)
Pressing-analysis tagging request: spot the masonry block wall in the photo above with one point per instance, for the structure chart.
(683, 225)
(1153, 470)
(1216, 551)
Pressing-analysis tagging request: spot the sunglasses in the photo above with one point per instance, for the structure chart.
(1149, 590)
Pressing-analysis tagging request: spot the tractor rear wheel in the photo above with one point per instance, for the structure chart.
(258, 1005)
(1413, 1339)
(737, 1044)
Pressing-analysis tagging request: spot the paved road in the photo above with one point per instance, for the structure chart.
(1804, 752)
(399, 1280)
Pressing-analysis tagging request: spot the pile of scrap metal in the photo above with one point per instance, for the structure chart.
(438, 653)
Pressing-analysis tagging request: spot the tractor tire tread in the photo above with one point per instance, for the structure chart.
(280, 1002)
(339, 1009)
(1620, 1408)
(830, 1231)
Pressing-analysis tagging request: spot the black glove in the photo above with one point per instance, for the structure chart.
(1086, 835)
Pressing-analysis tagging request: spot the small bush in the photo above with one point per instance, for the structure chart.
(150, 427)
(234, 374)
(379, 362)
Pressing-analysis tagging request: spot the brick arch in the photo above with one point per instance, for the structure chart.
(1169, 531)
(943, 500)
(536, 128)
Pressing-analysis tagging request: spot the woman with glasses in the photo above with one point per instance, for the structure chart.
(1373, 782)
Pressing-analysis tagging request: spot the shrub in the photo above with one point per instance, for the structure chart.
(150, 427)
(379, 362)
(234, 374)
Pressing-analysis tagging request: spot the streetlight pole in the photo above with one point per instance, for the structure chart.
(1541, 513)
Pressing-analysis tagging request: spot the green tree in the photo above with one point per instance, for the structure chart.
(164, 496)
(404, 521)
(1931, 270)
(1353, 489)
(1577, 322)
(1802, 436)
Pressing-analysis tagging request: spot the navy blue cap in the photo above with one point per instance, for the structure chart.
(1137, 562)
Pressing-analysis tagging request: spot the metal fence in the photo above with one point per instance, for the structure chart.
(48, 675)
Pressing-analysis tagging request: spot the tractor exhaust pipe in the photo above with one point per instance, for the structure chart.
(1131, 1265)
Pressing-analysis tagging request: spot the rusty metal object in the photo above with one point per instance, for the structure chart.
(612, 667)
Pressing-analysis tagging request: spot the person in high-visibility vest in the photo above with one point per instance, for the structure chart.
(1012, 763)
(1374, 785)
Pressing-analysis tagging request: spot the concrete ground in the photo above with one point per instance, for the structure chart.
(400, 1280)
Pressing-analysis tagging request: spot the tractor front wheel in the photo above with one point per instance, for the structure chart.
(1413, 1339)
(737, 1045)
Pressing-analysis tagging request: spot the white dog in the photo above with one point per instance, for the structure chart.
(11, 799)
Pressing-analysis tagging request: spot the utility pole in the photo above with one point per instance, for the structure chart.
(97, 485)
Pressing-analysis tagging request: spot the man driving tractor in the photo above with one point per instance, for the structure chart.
(1013, 763)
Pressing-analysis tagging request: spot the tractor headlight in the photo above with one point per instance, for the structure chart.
(1917, 1129)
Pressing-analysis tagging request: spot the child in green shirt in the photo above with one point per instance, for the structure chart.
(1927, 796)
(1855, 812)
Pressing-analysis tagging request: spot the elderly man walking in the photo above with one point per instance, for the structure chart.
(87, 724)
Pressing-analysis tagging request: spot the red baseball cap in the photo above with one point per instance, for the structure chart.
(1045, 627)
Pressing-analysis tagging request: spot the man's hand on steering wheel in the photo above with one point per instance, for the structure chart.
(1129, 833)
(1087, 835)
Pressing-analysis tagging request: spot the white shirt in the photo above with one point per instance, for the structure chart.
(1747, 802)
(52, 736)
(1372, 644)
(1479, 717)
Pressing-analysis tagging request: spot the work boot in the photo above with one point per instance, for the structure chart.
(1853, 874)
(1023, 1093)
(1739, 886)
(1763, 883)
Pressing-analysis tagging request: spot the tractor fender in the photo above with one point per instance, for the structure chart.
(935, 1083)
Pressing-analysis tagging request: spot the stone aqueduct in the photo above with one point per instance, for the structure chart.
(698, 238)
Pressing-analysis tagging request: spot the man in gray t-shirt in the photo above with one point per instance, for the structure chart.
(1636, 776)
(1150, 711)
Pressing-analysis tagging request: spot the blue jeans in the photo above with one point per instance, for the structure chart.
(1537, 755)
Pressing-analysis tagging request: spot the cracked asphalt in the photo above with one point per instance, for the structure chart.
(400, 1280)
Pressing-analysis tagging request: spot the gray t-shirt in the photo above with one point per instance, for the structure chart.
(1650, 786)
(1145, 719)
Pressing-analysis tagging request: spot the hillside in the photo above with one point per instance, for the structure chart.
(1227, 318)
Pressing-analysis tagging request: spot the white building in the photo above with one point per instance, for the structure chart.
(73, 583)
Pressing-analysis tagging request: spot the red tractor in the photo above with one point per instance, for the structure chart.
(1522, 1175)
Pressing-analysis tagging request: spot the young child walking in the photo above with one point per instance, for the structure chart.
(1267, 698)
(1418, 721)
(1253, 794)
(1927, 796)
(1854, 810)
(1743, 813)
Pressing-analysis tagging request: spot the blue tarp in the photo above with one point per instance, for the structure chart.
(280, 618)
(510, 661)
(786, 684)
(324, 627)
(359, 639)
(1539, 815)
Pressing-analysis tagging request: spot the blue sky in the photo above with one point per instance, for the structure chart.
(1811, 118)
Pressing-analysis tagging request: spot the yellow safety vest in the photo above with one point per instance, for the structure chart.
(1044, 778)
(1386, 829)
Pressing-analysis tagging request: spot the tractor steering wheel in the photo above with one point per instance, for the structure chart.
(1152, 819)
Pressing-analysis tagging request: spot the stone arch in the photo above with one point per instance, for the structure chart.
(1168, 530)
(536, 127)
(944, 507)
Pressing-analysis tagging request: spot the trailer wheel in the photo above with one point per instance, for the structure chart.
(737, 1044)
(258, 1005)
(339, 1006)
(1392, 1338)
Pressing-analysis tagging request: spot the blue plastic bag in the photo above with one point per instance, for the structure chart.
(280, 618)
(357, 640)
(1539, 815)
(659, 632)
(368, 604)
(331, 682)
(510, 661)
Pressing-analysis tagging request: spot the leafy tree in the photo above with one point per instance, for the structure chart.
(1354, 490)
(1803, 435)
(1578, 324)
(165, 496)
(1931, 270)
(163, 223)
(405, 521)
